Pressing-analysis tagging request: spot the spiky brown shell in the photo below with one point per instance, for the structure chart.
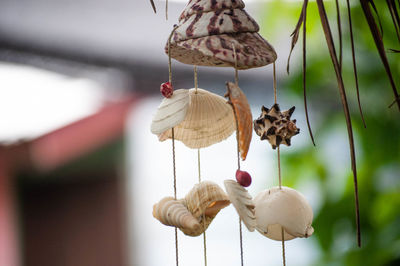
(276, 126)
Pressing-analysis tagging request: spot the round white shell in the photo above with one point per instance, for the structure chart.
(170, 112)
(209, 120)
(243, 203)
(276, 208)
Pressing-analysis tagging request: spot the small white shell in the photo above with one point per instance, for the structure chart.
(209, 120)
(243, 203)
(276, 208)
(170, 112)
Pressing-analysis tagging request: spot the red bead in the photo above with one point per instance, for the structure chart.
(243, 178)
(166, 89)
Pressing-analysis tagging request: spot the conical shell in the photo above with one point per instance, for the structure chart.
(276, 208)
(243, 203)
(171, 111)
(200, 6)
(209, 120)
(204, 201)
(174, 213)
(207, 30)
(243, 116)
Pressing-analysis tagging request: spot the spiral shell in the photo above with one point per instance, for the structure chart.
(204, 201)
(243, 203)
(243, 116)
(173, 213)
(207, 30)
(276, 208)
(209, 120)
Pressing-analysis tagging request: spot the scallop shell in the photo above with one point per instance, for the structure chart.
(209, 120)
(173, 213)
(204, 201)
(243, 117)
(276, 208)
(208, 28)
(171, 111)
(243, 203)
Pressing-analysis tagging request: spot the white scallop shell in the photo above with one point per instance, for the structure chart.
(243, 203)
(276, 208)
(209, 120)
(170, 112)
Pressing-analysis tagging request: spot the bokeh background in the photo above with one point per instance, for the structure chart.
(80, 170)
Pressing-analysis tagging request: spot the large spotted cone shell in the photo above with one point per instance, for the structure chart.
(208, 30)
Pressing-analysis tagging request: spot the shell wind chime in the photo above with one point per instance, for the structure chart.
(220, 33)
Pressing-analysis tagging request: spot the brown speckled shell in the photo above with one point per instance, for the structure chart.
(209, 28)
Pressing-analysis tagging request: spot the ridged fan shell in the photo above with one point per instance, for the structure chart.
(170, 112)
(243, 115)
(243, 203)
(209, 120)
(174, 213)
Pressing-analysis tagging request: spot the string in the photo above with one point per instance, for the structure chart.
(283, 246)
(236, 69)
(238, 149)
(279, 168)
(195, 78)
(169, 55)
(166, 9)
(174, 169)
(204, 217)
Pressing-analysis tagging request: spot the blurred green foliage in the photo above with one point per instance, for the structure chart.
(327, 166)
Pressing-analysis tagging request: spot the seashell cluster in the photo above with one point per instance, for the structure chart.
(199, 118)
(243, 117)
(276, 208)
(276, 126)
(243, 203)
(193, 214)
(207, 31)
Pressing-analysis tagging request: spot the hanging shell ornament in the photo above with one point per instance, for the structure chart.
(174, 213)
(204, 201)
(243, 117)
(276, 126)
(209, 120)
(243, 203)
(207, 30)
(276, 208)
(171, 111)
(193, 214)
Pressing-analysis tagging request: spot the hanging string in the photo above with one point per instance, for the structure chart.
(237, 148)
(172, 131)
(195, 78)
(199, 172)
(169, 55)
(283, 246)
(174, 169)
(166, 9)
(279, 169)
